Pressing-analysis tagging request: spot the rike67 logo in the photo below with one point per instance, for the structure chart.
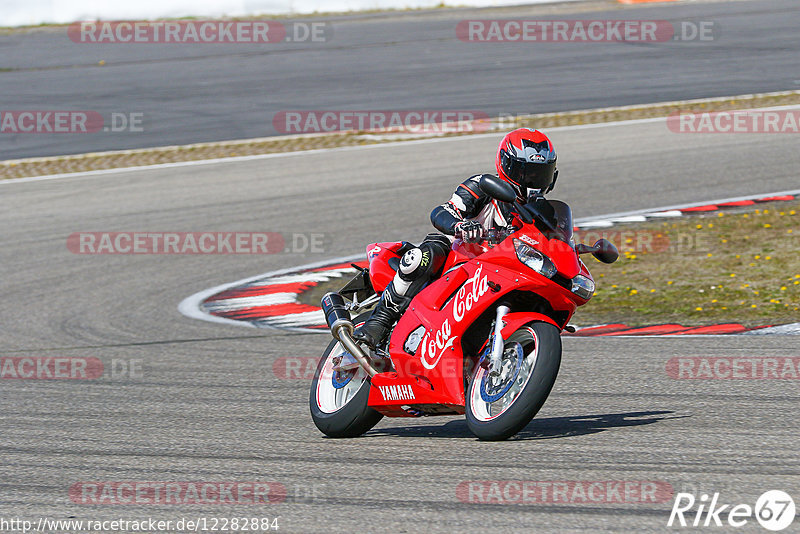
(774, 510)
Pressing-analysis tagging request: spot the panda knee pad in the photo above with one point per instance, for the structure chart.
(414, 264)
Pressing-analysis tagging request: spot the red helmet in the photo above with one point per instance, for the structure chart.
(527, 159)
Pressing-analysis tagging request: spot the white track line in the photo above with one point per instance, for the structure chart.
(190, 306)
(667, 211)
(255, 157)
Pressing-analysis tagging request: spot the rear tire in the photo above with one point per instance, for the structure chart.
(338, 401)
(498, 408)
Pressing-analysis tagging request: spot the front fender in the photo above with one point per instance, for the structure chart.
(515, 320)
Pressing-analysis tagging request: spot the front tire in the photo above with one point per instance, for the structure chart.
(338, 400)
(499, 407)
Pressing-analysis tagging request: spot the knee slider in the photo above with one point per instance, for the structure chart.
(415, 263)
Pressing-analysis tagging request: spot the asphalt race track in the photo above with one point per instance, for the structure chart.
(205, 405)
(407, 61)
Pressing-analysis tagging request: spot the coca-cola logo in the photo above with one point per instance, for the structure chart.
(436, 342)
(466, 299)
(433, 346)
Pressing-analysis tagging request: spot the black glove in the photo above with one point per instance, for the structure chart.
(469, 231)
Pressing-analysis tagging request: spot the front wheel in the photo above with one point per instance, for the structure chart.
(338, 399)
(500, 406)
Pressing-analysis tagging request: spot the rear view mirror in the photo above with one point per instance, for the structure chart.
(497, 188)
(605, 251)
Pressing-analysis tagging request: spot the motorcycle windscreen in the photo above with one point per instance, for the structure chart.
(563, 219)
(556, 217)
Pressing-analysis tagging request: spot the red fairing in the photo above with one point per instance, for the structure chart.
(563, 256)
(426, 349)
(378, 255)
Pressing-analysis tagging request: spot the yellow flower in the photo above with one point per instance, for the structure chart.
(733, 275)
(783, 288)
(757, 256)
(633, 292)
(670, 282)
(698, 308)
(753, 306)
(792, 213)
(724, 240)
(720, 214)
(615, 285)
(652, 291)
(711, 225)
(768, 258)
(713, 301)
(724, 307)
(746, 216)
(709, 255)
(699, 226)
(767, 225)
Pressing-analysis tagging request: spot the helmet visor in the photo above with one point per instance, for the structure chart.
(530, 174)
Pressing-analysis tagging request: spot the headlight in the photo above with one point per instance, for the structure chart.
(583, 287)
(534, 259)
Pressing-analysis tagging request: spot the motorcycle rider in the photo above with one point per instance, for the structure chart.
(525, 159)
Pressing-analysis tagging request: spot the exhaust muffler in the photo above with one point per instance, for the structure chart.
(338, 319)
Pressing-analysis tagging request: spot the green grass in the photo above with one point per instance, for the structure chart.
(739, 267)
(722, 267)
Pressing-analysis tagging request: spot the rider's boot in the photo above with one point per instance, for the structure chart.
(386, 313)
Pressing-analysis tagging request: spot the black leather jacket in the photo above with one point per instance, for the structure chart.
(469, 202)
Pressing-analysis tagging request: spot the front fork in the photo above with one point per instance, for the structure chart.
(496, 356)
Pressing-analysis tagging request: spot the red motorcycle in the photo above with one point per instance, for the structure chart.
(482, 340)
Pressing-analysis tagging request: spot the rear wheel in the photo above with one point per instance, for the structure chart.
(499, 406)
(338, 399)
